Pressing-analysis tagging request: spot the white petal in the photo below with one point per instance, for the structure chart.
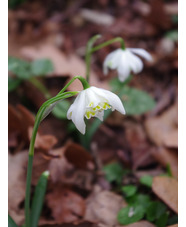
(92, 97)
(99, 94)
(100, 115)
(141, 52)
(124, 70)
(135, 62)
(112, 60)
(76, 112)
(113, 100)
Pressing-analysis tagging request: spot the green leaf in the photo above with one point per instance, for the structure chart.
(13, 3)
(173, 35)
(13, 83)
(129, 190)
(19, 67)
(61, 108)
(146, 180)
(11, 222)
(139, 199)
(155, 211)
(136, 102)
(117, 85)
(91, 129)
(168, 170)
(173, 220)
(37, 202)
(114, 172)
(130, 214)
(41, 67)
(175, 18)
(162, 220)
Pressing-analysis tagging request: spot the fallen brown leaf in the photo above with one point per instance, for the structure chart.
(33, 94)
(176, 225)
(45, 142)
(66, 205)
(82, 224)
(79, 157)
(64, 171)
(162, 130)
(166, 157)
(166, 188)
(63, 65)
(152, 172)
(171, 139)
(40, 164)
(139, 145)
(20, 124)
(157, 16)
(19, 120)
(171, 8)
(59, 167)
(16, 185)
(101, 209)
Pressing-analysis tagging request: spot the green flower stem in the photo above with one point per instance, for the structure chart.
(88, 54)
(117, 39)
(90, 49)
(81, 79)
(39, 118)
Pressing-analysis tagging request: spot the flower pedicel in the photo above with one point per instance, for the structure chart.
(92, 102)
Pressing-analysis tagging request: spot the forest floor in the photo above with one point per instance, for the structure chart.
(88, 187)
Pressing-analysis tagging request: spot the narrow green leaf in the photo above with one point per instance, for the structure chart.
(129, 190)
(131, 214)
(146, 180)
(41, 67)
(13, 83)
(38, 198)
(11, 222)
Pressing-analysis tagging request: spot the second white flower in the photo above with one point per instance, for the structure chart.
(125, 61)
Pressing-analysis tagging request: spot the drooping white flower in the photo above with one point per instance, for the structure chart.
(92, 102)
(125, 61)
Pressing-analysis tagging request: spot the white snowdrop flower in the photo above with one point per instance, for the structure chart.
(125, 61)
(92, 102)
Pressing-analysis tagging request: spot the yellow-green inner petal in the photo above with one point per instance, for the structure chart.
(91, 111)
